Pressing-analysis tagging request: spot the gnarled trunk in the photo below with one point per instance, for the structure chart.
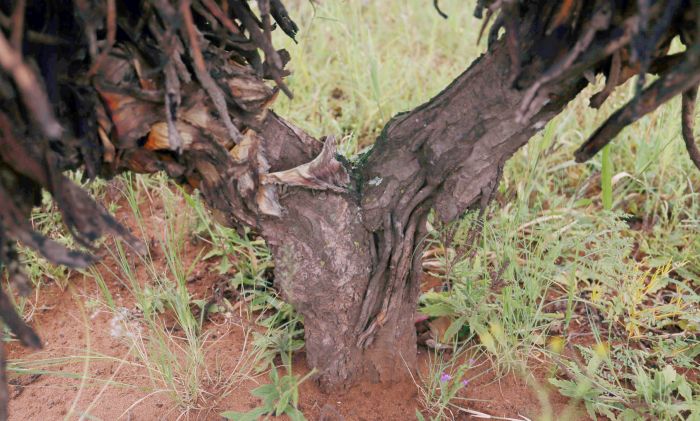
(349, 261)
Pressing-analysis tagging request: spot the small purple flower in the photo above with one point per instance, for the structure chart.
(445, 378)
(465, 382)
(471, 361)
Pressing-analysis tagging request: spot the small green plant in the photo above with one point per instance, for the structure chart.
(574, 266)
(440, 390)
(282, 341)
(620, 386)
(280, 396)
(163, 331)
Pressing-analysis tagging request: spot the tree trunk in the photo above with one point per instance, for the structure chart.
(349, 261)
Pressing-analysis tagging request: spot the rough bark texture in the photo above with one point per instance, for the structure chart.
(322, 256)
(322, 264)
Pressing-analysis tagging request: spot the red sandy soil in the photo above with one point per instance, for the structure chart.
(69, 328)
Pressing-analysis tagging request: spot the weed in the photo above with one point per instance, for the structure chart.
(280, 396)
(439, 389)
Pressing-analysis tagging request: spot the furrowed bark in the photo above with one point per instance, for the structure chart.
(446, 155)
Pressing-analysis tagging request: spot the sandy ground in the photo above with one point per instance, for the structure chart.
(69, 327)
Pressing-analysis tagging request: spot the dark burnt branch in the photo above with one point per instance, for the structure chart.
(484, 24)
(111, 36)
(535, 96)
(194, 39)
(18, 24)
(611, 82)
(159, 92)
(30, 88)
(688, 124)
(279, 13)
(675, 82)
(436, 5)
(510, 10)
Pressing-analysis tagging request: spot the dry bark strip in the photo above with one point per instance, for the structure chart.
(179, 86)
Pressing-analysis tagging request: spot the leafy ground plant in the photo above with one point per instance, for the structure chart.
(280, 396)
(602, 285)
